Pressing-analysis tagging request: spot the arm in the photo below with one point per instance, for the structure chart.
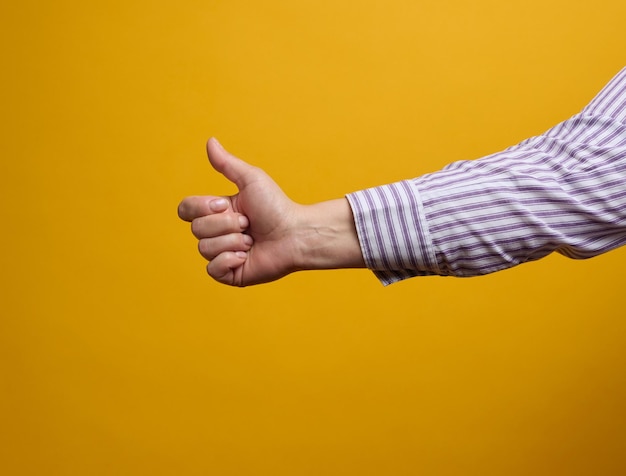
(562, 191)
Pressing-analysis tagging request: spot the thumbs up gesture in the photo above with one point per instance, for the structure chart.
(260, 235)
(246, 237)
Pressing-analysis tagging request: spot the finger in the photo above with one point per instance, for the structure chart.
(209, 248)
(233, 168)
(211, 226)
(225, 266)
(197, 206)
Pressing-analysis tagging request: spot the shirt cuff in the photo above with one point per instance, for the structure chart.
(393, 232)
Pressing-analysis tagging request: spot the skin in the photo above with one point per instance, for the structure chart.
(260, 235)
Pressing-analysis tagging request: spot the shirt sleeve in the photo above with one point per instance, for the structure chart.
(562, 191)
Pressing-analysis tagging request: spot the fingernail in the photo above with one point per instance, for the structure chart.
(247, 240)
(219, 205)
(241, 254)
(243, 221)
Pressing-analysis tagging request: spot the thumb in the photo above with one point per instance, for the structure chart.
(234, 169)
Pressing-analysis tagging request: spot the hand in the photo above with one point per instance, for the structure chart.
(248, 238)
(260, 235)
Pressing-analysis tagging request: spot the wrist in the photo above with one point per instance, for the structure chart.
(326, 237)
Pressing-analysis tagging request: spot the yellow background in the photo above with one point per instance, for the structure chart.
(119, 356)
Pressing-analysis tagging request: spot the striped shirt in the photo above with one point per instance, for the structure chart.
(562, 191)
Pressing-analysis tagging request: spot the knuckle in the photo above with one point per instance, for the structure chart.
(214, 269)
(204, 249)
(195, 228)
(201, 247)
(183, 210)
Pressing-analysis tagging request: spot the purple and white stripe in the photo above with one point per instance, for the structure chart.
(563, 191)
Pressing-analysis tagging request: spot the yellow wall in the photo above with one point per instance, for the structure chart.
(119, 356)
